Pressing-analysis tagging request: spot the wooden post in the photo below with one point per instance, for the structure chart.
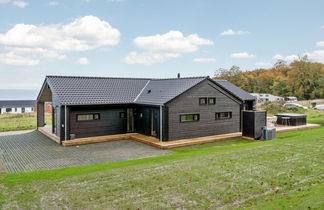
(40, 114)
(161, 124)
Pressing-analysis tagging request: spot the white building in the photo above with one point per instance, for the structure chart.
(265, 97)
(17, 106)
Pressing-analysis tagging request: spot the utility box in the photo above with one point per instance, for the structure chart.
(253, 123)
(268, 133)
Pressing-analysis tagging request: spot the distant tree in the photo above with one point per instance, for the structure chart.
(228, 73)
(301, 78)
(279, 63)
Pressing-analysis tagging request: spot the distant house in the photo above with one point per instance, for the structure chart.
(168, 109)
(265, 97)
(17, 106)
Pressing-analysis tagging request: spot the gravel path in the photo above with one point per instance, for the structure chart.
(32, 151)
(10, 133)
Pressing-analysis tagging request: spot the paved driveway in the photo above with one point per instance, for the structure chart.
(34, 151)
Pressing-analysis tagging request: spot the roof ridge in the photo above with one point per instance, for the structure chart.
(140, 93)
(92, 77)
(132, 78)
(18, 100)
(197, 77)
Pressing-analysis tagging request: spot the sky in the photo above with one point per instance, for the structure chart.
(152, 38)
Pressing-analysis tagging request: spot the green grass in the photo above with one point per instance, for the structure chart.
(315, 117)
(228, 142)
(286, 173)
(26, 121)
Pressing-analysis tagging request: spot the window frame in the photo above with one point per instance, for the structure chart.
(213, 98)
(223, 118)
(93, 117)
(193, 117)
(206, 100)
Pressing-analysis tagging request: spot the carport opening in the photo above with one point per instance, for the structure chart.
(45, 111)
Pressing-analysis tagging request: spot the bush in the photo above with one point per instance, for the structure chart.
(274, 108)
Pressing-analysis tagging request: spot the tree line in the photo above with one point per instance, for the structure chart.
(301, 78)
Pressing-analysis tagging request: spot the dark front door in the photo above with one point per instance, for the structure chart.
(130, 120)
(54, 113)
(153, 122)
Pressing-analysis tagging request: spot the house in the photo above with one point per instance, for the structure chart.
(168, 109)
(17, 106)
(265, 97)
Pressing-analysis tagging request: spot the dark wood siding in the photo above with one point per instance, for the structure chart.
(188, 103)
(109, 123)
(40, 114)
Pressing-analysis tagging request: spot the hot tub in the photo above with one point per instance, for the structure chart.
(294, 119)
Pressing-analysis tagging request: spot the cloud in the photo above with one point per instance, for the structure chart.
(322, 27)
(317, 55)
(21, 4)
(320, 44)
(263, 64)
(53, 3)
(82, 61)
(231, 32)
(158, 48)
(10, 58)
(172, 41)
(18, 3)
(242, 55)
(204, 60)
(288, 58)
(116, 1)
(148, 58)
(50, 42)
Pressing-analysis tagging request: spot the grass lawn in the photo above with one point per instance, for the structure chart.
(287, 173)
(26, 121)
(315, 117)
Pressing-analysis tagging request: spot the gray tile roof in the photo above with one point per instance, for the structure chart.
(107, 90)
(241, 94)
(17, 103)
(160, 91)
(95, 90)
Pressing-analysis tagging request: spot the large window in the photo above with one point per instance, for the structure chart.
(8, 109)
(189, 117)
(223, 115)
(88, 117)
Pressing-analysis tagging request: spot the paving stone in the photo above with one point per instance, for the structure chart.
(34, 151)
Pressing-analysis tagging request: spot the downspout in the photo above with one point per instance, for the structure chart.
(161, 125)
(65, 123)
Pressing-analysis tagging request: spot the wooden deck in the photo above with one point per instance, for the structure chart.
(281, 129)
(152, 141)
(46, 130)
